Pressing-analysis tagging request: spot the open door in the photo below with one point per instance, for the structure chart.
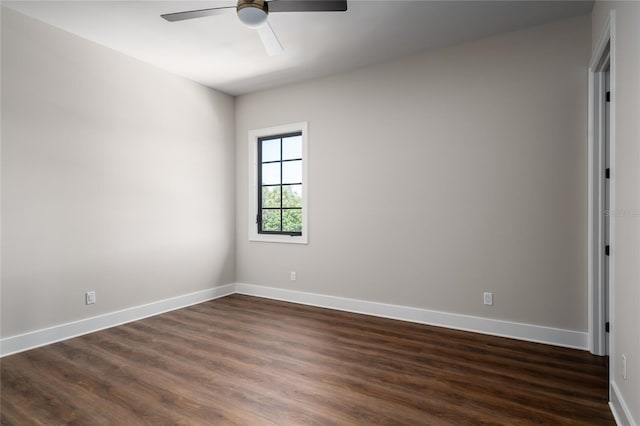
(601, 199)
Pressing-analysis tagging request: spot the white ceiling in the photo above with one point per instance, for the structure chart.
(218, 51)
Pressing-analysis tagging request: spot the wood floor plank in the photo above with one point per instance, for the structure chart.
(249, 361)
(373, 370)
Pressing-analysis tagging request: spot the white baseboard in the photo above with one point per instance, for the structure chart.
(619, 408)
(529, 332)
(34, 339)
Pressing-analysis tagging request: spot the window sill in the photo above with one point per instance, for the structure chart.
(285, 239)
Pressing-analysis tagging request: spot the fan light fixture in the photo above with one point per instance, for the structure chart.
(253, 13)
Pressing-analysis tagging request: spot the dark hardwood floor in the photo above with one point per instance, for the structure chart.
(249, 361)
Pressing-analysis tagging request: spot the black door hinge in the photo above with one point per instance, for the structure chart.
(607, 173)
(608, 97)
(606, 250)
(606, 326)
(258, 218)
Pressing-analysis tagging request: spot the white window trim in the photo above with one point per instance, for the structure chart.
(254, 135)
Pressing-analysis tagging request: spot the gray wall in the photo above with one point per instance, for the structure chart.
(433, 178)
(116, 177)
(626, 180)
(440, 176)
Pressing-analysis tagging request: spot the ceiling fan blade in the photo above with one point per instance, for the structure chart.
(269, 40)
(191, 14)
(308, 6)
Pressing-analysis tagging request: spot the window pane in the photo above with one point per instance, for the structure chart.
(271, 150)
(292, 220)
(292, 148)
(271, 196)
(292, 172)
(292, 196)
(271, 173)
(271, 220)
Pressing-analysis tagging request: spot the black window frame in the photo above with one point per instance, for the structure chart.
(280, 136)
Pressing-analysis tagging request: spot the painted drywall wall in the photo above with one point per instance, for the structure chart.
(438, 177)
(625, 323)
(116, 177)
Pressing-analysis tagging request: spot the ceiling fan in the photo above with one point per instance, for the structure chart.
(253, 13)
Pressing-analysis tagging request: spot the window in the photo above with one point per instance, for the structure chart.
(279, 177)
(280, 184)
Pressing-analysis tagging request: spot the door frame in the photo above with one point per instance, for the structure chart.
(603, 54)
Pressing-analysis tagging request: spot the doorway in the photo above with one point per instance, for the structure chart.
(601, 194)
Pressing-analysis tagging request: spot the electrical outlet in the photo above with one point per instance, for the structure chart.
(488, 298)
(293, 276)
(624, 366)
(90, 297)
